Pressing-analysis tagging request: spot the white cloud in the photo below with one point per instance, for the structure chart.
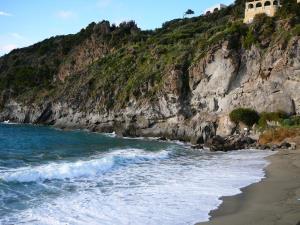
(5, 14)
(17, 36)
(103, 3)
(64, 14)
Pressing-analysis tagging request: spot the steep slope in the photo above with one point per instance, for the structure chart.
(179, 82)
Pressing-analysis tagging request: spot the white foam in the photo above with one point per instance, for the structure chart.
(7, 122)
(178, 191)
(112, 135)
(88, 168)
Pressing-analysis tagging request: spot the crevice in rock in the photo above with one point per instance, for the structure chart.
(45, 115)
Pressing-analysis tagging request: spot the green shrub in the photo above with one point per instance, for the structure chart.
(246, 116)
(272, 117)
(26, 78)
(249, 39)
(289, 9)
(293, 121)
(287, 123)
(296, 30)
(263, 28)
(260, 19)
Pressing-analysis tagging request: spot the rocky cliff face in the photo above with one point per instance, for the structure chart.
(192, 106)
(191, 102)
(86, 53)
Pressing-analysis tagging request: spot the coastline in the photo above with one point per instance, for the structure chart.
(273, 201)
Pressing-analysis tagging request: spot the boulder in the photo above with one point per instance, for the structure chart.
(231, 143)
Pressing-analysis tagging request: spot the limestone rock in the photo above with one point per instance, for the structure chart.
(189, 104)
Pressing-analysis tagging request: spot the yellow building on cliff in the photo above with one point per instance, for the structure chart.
(269, 7)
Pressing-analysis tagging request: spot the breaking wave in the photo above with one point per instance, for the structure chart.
(83, 168)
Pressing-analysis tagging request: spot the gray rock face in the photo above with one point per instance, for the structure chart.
(192, 106)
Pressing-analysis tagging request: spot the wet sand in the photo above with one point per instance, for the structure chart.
(274, 201)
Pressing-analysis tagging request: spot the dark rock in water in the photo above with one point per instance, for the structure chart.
(285, 145)
(199, 146)
(247, 140)
(274, 147)
(162, 139)
(217, 140)
(264, 147)
(230, 143)
(216, 143)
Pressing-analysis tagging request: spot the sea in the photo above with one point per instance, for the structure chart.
(50, 176)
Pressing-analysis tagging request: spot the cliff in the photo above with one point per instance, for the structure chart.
(179, 81)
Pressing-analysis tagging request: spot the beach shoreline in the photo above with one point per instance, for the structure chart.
(273, 201)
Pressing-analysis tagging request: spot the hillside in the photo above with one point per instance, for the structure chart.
(179, 81)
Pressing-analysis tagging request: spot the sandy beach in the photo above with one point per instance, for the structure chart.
(274, 201)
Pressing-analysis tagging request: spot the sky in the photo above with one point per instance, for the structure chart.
(24, 22)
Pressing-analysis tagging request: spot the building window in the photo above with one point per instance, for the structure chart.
(258, 5)
(250, 6)
(275, 3)
(267, 3)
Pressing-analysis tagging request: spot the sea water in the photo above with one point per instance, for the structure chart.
(48, 176)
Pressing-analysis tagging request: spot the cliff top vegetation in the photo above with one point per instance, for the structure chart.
(135, 59)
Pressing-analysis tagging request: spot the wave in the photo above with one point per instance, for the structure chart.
(111, 135)
(182, 191)
(7, 122)
(89, 168)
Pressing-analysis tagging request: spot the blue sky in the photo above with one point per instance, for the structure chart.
(24, 22)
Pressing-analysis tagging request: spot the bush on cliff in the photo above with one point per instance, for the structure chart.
(135, 63)
(266, 117)
(246, 116)
(289, 9)
(296, 30)
(293, 121)
(249, 40)
(262, 29)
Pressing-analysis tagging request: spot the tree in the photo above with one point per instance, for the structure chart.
(247, 116)
(188, 12)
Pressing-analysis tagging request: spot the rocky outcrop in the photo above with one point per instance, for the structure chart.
(230, 143)
(192, 104)
(87, 53)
